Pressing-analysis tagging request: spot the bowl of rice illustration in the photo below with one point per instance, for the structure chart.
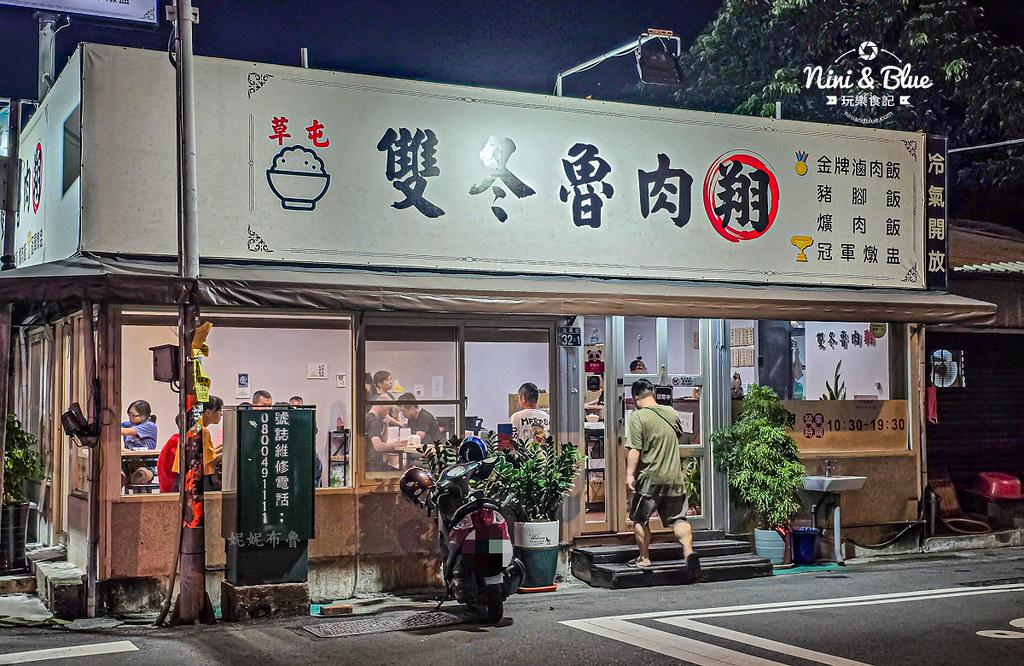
(298, 178)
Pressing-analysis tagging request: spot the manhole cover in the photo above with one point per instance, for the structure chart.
(383, 623)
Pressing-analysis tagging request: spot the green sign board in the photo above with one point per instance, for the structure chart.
(275, 476)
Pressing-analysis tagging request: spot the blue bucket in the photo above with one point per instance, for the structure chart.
(805, 544)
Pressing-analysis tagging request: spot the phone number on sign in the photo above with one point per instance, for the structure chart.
(815, 425)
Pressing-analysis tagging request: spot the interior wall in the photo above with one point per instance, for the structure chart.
(865, 369)
(276, 359)
(496, 369)
(683, 357)
(415, 364)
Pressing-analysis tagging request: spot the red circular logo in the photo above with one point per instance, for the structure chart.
(741, 196)
(37, 178)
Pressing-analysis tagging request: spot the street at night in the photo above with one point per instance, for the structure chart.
(636, 332)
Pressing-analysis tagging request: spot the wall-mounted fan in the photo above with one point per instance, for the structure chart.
(948, 368)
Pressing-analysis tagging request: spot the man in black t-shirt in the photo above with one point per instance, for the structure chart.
(421, 422)
(381, 456)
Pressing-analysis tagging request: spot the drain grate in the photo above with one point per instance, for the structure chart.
(379, 624)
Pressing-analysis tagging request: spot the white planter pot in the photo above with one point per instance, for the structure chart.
(536, 535)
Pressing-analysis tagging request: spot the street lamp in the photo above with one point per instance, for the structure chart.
(656, 67)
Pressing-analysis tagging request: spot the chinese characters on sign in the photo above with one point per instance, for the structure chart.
(935, 213)
(461, 189)
(741, 197)
(298, 175)
(867, 179)
(275, 477)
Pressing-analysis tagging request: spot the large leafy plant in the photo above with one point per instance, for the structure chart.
(532, 478)
(21, 461)
(761, 458)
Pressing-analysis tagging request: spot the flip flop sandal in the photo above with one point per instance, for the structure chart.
(633, 563)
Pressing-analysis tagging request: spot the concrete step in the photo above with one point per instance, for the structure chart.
(61, 585)
(37, 553)
(673, 572)
(627, 538)
(17, 584)
(592, 555)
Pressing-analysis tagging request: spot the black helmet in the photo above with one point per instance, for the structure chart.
(415, 482)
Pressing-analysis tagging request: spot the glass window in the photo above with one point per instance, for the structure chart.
(498, 362)
(683, 346)
(309, 366)
(411, 381)
(640, 345)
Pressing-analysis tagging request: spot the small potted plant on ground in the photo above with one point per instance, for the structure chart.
(764, 470)
(21, 463)
(532, 479)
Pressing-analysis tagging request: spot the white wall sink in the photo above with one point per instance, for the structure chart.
(833, 484)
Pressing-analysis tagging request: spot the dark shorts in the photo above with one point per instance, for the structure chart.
(671, 509)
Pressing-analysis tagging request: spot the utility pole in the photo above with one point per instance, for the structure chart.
(48, 29)
(193, 603)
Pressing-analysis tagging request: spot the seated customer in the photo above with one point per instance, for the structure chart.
(139, 431)
(421, 422)
(211, 454)
(167, 461)
(385, 459)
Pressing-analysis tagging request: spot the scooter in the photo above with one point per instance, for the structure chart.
(477, 565)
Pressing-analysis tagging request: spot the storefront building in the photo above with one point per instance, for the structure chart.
(453, 239)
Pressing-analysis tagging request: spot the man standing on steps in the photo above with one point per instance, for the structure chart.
(653, 449)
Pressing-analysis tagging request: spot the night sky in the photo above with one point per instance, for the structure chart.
(517, 46)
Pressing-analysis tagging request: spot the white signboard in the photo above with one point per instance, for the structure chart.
(127, 10)
(318, 167)
(47, 226)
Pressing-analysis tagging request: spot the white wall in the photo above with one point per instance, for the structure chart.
(862, 366)
(496, 369)
(276, 360)
(683, 359)
(413, 363)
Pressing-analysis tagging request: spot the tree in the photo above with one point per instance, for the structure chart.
(754, 53)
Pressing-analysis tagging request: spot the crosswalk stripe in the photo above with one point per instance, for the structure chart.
(759, 642)
(87, 650)
(669, 644)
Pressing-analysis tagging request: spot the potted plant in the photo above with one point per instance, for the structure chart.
(532, 479)
(21, 463)
(764, 470)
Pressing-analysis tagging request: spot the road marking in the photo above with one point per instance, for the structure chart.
(623, 628)
(1005, 633)
(759, 642)
(87, 650)
(849, 602)
(668, 644)
(703, 612)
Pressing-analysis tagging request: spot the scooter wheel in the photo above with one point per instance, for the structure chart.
(493, 610)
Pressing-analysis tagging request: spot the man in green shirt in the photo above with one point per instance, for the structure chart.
(653, 449)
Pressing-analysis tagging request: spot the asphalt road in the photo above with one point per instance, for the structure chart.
(965, 608)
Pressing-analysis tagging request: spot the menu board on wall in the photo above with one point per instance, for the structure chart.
(849, 426)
